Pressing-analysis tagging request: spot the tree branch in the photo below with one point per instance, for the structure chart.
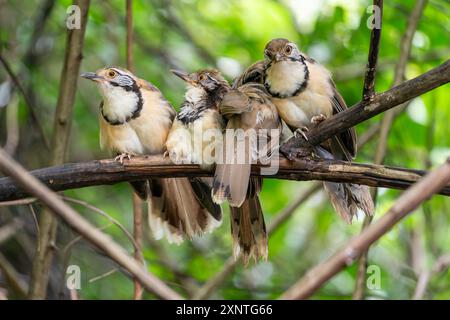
(84, 228)
(212, 284)
(101, 172)
(386, 124)
(367, 109)
(405, 204)
(61, 134)
(371, 69)
(31, 107)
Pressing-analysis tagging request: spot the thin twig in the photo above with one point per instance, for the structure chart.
(137, 203)
(31, 107)
(103, 214)
(12, 127)
(36, 225)
(10, 229)
(371, 68)
(441, 265)
(385, 126)
(84, 228)
(106, 274)
(18, 285)
(405, 204)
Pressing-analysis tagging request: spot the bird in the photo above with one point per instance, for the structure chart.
(135, 119)
(211, 103)
(304, 94)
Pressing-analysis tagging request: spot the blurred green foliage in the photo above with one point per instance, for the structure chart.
(230, 35)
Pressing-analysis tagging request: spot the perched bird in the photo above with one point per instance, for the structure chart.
(252, 119)
(208, 96)
(198, 126)
(135, 119)
(304, 94)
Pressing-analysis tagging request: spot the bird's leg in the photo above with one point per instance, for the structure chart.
(122, 156)
(301, 131)
(318, 119)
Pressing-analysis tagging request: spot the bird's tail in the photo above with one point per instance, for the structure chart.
(177, 210)
(346, 198)
(248, 231)
(232, 175)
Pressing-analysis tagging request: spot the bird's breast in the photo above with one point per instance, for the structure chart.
(285, 78)
(298, 110)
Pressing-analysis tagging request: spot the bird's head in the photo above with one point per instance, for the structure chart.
(281, 50)
(207, 79)
(122, 97)
(110, 79)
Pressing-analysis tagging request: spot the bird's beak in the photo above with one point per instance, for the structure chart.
(278, 57)
(91, 76)
(183, 75)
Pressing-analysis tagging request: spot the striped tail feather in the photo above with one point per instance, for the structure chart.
(176, 213)
(248, 231)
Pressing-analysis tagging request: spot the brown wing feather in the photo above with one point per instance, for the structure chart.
(254, 73)
(345, 141)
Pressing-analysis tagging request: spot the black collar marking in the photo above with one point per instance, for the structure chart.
(299, 89)
(208, 101)
(136, 113)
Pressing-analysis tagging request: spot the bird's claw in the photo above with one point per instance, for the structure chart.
(301, 132)
(122, 156)
(318, 119)
(166, 154)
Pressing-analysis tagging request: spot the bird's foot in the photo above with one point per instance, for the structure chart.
(301, 132)
(318, 119)
(166, 154)
(122, 156)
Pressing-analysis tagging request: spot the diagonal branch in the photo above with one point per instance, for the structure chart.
(406, 203)
(84, 228)
(367, 109)
(230, 265)
(385, 126)
(101, 172)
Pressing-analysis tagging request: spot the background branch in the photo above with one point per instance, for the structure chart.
(386, 123)
(28, 101)
(84, 228)
(61, 133)
(405, 204)
(371, 68)
(365, 110)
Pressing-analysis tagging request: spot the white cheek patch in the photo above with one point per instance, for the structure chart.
(194, 94)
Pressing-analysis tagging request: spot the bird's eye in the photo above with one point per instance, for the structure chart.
(111, 73)
(202, 77)
(288, 49)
